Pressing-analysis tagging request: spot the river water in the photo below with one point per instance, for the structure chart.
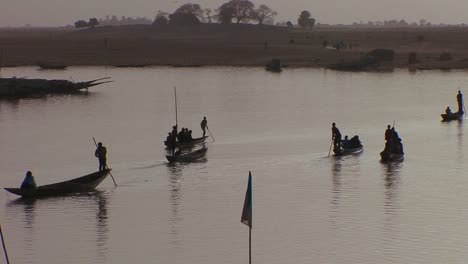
(307, 207)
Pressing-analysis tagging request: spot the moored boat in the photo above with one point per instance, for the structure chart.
(192, 143)
(187, 157)
(452, 116)
(81, 184)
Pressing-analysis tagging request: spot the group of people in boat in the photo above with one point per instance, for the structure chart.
(393, 142)
(184, 135)
(346, 143)
(460, 111)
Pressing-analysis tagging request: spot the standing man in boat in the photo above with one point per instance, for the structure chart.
(460, 102)
(101, 153)
(204, 125)
(28, 182)
(388, 133)
(336, 136)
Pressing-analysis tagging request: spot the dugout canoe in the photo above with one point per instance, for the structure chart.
(81, 184)
(348, 151)
(192, 143)
(386, 156)
(188, 157)
(452, 116)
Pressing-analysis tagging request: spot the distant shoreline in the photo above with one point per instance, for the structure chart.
(232, 45)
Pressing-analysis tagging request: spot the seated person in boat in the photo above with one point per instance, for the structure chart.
(189, 137)
(28, 182)
(355, 142)
(346, 143)
(448, 111)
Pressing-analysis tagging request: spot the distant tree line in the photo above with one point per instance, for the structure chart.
(90, 24)
(231, 12)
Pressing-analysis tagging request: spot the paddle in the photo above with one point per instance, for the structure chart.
(4, 247)
(112, 176)
(210, 133)
(331, 144)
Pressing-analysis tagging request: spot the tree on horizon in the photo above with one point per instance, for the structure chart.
(263, 13)
(239, 10)
(305, 20)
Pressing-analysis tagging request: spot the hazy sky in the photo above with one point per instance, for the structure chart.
(66, 12)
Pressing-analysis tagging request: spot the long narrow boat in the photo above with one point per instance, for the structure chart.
(348, 151)
(81, 184)
(452, 116)
(192, 143)
(386, 156)
(188, 157)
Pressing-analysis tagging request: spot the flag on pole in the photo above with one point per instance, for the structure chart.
(246, 217)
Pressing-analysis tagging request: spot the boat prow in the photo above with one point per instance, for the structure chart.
(81, 184)
(391, 157)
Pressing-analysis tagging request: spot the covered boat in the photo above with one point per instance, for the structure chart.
(189, 144)
(81, 184)
(187, 157)
(452, 116)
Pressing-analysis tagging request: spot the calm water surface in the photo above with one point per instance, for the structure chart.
(308, 208)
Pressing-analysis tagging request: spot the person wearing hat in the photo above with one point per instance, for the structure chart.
(100, 153)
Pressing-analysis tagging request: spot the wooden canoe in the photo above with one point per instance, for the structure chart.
(192, 143)
(81, 184)
(452, 116)
(188, 157)
(386, 156)
(348, 151)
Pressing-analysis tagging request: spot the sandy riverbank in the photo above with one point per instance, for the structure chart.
(234, 45)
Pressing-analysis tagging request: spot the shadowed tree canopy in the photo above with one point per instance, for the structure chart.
(183, 19)
(161, 19)
(240, 10)
(263, 13)
(305, 20)
(93, 22)
(189, 8)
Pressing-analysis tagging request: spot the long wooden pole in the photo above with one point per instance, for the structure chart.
(250, 245)
(4, 247)
(210, 133)
(112, 176)
(331, 144)
(175, 97)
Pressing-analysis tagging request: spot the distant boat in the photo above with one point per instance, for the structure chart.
(452, 116)
(81, 184)
(188, 157)
(25, 87)
(47, 66)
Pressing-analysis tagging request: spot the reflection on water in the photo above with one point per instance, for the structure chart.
(336, 179)
(391, 172)
(175, 185)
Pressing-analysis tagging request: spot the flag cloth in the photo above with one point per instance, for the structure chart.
(246, 217)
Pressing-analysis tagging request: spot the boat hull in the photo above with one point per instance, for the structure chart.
(451, 117)
(81, 184)
(190, 144)
(188, 157)
(391, 157)
(348, 151)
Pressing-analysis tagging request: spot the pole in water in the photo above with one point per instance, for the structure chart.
(110, 173)
(331, 144)
(175, 98)
(4, 247)
(210, 133)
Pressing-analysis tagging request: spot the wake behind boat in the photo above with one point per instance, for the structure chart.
(81, 184)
